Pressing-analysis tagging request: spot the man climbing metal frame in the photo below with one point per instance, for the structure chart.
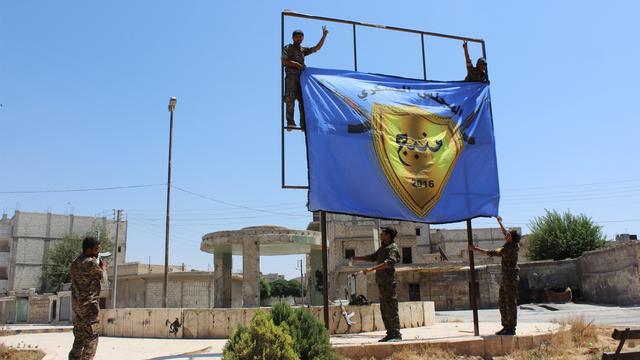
(293, 61)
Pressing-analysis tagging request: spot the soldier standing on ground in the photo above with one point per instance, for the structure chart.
(508, 296)
(293, 61)
(387, 256)
(477, 73)
(86, 277)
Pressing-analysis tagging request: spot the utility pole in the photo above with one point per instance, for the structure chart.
(301, 281)
(165, 285)
(116, 249)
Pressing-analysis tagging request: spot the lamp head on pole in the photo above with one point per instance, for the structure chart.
(172, 103)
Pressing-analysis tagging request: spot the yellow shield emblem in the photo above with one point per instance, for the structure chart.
(417, 151)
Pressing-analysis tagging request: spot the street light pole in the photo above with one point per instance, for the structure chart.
(165, 286)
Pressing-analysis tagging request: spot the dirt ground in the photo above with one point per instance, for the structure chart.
(583, 340)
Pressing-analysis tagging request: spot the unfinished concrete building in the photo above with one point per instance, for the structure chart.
(26, 237)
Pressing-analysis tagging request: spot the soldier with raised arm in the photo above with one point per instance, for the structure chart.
(293, 61)
(508, 296)
(475, 73)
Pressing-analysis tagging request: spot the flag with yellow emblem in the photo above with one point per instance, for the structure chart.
(395, 148)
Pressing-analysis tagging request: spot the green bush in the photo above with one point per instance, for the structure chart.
(310, 338)
(280, 313)
(560, 236)
(261, 340)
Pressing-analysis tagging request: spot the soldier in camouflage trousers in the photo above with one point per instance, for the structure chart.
(387, 256)
(508, 296)
(86, 277)
(293, 61)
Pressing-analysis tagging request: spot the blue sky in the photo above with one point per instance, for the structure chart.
(85, 85)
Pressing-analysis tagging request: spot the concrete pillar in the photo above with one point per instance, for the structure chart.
(250, 273)
(222, 278)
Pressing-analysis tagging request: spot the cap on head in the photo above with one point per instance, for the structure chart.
(297, 32)
(481, 61)
(390, 230)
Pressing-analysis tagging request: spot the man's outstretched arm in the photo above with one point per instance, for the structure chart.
(466, 54)
(321, 42)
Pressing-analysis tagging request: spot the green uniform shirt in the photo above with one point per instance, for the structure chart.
(295, 53)
(474, 74)
(389, 255)
(86, 277)
(509, 254)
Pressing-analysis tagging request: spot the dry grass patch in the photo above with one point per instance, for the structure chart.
(577, 339)
(8, 353)
(429, 352)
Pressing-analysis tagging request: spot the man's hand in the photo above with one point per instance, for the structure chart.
(103, 265)
(464, 45)
(499, 218)
(471, 248)
(325, 31)
(366, 271)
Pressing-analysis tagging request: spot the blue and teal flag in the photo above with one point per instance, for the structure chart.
(394, 148)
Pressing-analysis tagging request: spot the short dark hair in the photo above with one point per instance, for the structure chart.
(515, 236)
(390, 230)
(297, 32)
(89, 242)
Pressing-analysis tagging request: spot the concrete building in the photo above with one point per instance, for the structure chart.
(140, 286)
(26, 237)
(251, 243)
(423, 273)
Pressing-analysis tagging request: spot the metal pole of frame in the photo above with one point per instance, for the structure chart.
(282, 160)
(424, 61)
(484, 55)
(472, 282)
(325, 277)
(355, 50)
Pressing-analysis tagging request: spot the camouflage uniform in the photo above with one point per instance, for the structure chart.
(508, 297)
(386, 280)
(475, 74)
(292, 89)
(86, 276)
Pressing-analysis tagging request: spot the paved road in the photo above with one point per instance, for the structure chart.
(599, 314)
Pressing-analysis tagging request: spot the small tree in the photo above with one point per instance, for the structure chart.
(261, 340)
(265, 289)
(560, 236)
(60, 256)
(284, 288)
(310, 338)
(279, 288)
(294, 289)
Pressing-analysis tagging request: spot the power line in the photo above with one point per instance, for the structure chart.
(230, 204)
(79, 189)
(571, 185)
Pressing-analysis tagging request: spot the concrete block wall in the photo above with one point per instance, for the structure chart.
(611, 276)
(220, 323)
(39, 311)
